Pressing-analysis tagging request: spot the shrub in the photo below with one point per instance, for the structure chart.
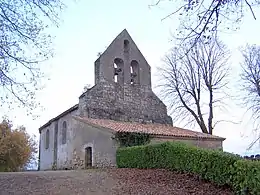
(213, 165)
(246, 177)
(148, 156)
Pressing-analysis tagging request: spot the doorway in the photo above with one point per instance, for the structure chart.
(88, 157)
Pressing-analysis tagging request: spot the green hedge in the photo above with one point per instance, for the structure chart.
(246, 177)
(216, 166)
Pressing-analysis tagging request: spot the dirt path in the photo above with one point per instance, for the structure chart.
(104, 182)
(93, 182)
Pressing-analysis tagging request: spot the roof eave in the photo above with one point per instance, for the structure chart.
(59, 116)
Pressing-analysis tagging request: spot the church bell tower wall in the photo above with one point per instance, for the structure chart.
(122, 88)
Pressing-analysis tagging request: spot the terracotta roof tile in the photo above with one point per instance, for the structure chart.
(153, 129)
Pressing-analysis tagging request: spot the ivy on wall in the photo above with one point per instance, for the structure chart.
(128, 139)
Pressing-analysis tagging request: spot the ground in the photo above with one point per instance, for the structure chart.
(105, 182)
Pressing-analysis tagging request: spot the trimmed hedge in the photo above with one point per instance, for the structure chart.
(213, 165)
(246, 177)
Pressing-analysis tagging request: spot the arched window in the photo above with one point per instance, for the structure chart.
(116, 74)
(134, 70)
(119, 71)
(64, 132)
(47, 139)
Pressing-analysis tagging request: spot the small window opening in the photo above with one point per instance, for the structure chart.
(47, 139)
(131, 71)
(126, 46)
(116, 74)
(64, 132)
(134, 71)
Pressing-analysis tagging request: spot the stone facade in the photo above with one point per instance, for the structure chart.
(72, 154)
(122, 92)
(101, 142)
(122, 88)
(109, 100)
(58, 154)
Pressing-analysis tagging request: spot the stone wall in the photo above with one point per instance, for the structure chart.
(101, 142)
(46, 155)
(130, 96)
(109, 100)
(64, 152)
(122, 92)
(124, 48)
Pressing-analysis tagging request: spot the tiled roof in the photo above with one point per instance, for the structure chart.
(153, 129)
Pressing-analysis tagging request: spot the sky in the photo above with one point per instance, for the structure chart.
(88, 27)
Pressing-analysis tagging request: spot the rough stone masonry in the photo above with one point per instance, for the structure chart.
(122, 92)
(122, 89)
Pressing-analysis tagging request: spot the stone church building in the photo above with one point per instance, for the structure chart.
(121, 100)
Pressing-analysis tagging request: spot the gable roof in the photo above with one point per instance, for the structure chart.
(152, 128)
(75, 107)
(121, 36)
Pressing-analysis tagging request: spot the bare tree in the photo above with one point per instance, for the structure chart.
(192, 81)
(205, 18)
(250, 78)
(24, 44)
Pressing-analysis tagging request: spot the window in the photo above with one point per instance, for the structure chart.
(47, 139)
(134, 71)
(64, 133)
(119, 71)
(126, 46)
(116, 74)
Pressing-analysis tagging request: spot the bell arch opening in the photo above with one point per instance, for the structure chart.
(134, 71)
(119, 70)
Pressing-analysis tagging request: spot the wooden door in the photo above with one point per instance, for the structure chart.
(88, 157)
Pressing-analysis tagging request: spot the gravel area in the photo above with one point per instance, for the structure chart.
(105, 182)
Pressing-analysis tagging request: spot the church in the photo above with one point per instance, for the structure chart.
(122, 100)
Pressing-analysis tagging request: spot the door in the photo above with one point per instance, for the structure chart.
(88, 157)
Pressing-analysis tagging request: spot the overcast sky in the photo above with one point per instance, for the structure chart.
(88, 27)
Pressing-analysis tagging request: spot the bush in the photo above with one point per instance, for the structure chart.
(213, 165)
(246, 177)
